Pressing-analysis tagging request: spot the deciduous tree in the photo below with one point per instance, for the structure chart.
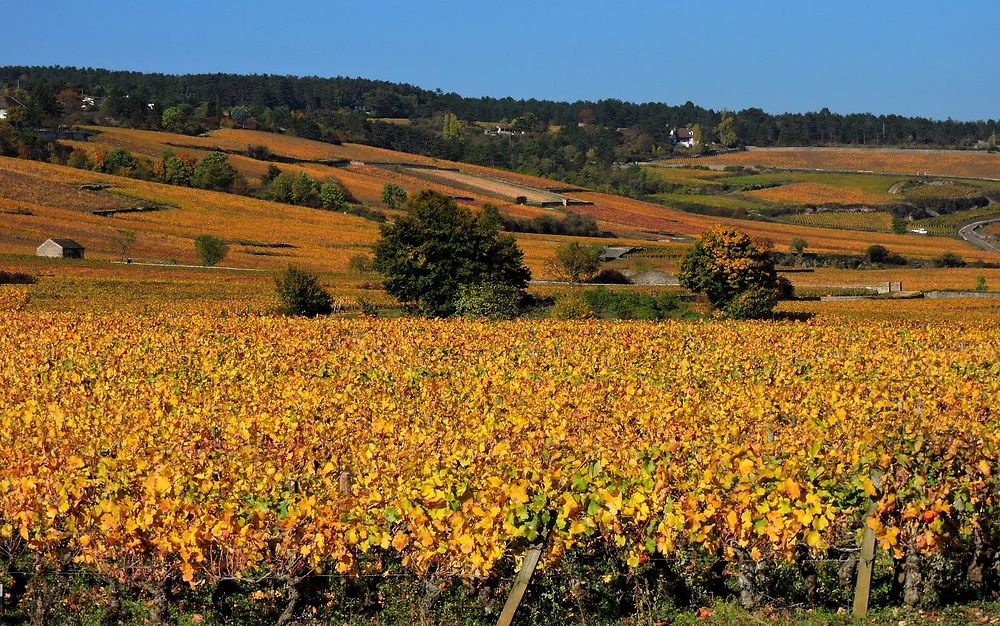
(735, 272)
(429, 253)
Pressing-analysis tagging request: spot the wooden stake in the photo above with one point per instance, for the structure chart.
(862, 590)
(531, 558)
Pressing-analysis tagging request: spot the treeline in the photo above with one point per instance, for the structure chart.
(575, 224)
(394, 100)
(215, 172)
(584, 142)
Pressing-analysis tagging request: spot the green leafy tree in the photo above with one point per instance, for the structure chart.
(214, 172)
(304, 190)
(333, 196)
(280, 188)
(981, 283)
(429, 253)
(725, 264)
(575, 262)
(118, 161)
(300, 293)
(271, 173)
(210, 249)
(727, 130)
(698, 135)
(393, 195)
(240, 114)
(452, 128)
(176, 170)
(173, 119)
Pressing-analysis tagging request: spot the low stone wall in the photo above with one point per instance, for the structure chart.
(961, 294)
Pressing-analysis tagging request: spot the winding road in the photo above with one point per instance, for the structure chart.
(968, 233)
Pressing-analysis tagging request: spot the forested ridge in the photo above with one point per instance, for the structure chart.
(579, 142)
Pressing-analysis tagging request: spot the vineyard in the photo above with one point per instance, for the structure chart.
(961, 163)
(815, 193)
(192, 450)
(874, 221)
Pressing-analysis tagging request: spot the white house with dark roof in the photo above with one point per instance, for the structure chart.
(61, 249)
(682, 137)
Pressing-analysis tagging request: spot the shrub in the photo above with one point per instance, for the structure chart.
(16, 278)
(981, 283)
(786, 290)
(360, 263)
(949, 259)
(610, 277)
(301, 294)
(630, 305)
(80, 160)
(497, 302)
(752, 304)
(259, 152)
(210, 249)
(876, 254)
(797, 245)
(571, 307)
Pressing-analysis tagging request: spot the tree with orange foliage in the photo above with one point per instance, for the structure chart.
(735, 271)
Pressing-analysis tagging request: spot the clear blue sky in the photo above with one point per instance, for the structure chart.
(913, 57)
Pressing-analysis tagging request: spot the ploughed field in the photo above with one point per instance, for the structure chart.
(210, 446)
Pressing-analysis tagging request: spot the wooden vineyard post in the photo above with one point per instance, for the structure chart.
(528, 565)
(345, 484)
(862, 590)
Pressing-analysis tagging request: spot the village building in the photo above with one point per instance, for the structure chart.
(502, 130)
(682, 137)
(60, 248)
(613, 253)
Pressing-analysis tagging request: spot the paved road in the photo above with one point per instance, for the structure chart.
(968, 233)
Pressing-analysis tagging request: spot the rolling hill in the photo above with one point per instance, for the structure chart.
(39, 200)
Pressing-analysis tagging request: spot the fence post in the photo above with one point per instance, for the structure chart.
(862, 590)
(531, 558)
(345, 483)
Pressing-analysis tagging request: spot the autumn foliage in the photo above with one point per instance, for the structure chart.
(203, 447)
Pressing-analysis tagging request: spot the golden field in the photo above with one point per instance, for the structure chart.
(204, 447)
(816, 193)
